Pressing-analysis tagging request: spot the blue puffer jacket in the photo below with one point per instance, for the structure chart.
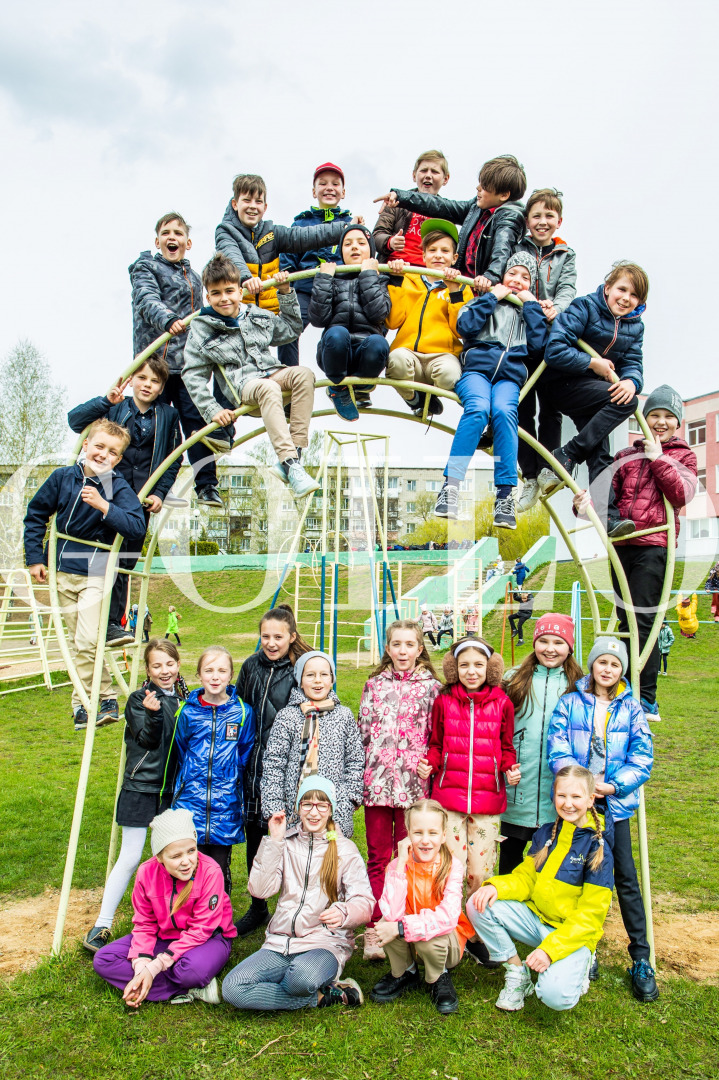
(214, 743)
(496, 337)
(162, 292)
(310, 260)
(630, 754)
(589, 318)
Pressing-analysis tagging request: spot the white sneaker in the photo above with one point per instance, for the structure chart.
(529, 496)
(547, 481)
(300, 482)
(372, 948)
(210, 994)
(518, 985)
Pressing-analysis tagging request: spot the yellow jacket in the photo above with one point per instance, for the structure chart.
(688, 621)
(565, 893)
(424, 313)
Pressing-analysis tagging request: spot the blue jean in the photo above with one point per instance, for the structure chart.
(339, 356)
(481, 399)
(507, 921)
(268, 980)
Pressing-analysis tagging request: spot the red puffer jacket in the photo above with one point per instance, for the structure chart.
(639, 485)
(470, 748)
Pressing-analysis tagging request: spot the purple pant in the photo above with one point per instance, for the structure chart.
(196, 967)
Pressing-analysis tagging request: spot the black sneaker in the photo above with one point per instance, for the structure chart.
(109, 712)
(97, 937)
(593, 973)
(504, 516)
(389, 988)
(444, 995)
(80, 718)
(363, 398)
(480, 954)
(209, 496)
(117, 635)
(644, 985)
(567, 462)
(447, 505)
(343, 992)
(618, 527)
(486, 439)
(252, 920)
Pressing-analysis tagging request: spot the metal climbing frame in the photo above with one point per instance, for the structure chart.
(637, 658)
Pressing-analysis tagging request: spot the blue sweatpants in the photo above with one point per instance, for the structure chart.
(482, 399)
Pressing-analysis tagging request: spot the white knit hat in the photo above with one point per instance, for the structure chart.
(171, 826)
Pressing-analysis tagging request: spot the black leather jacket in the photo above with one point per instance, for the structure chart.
(151, 764)
(265, 685)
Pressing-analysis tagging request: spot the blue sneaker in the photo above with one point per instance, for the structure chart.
(650, 711)
(342, 402)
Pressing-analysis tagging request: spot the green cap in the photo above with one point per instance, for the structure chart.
(436, 224)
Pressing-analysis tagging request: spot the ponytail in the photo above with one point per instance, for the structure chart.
(182, 897)
(330, 864)
(598, 857)
(283, 613)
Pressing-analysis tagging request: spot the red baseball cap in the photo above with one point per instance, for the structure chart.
(561, 626)
(328, 167)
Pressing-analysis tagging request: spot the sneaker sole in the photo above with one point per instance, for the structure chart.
(305, 491)
(107, 720)
(280, 473)
(92, 948)
(117, 643)
(504, 525)
(551, 486)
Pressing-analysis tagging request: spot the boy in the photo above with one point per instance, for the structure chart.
(496, 340)
(352, 309)
(255, 245)
(424, 312)
(397, 232)
(555, 289)
(524, 612)
(233, 341)
(154, 433)
(328, 190)
(93, 503)
(491, 224)
(165, 289)
(580, 385)
(642, 475)
(520, 571)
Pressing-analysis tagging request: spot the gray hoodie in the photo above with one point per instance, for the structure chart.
(556, 272)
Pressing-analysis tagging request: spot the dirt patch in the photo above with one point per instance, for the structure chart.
(27, 926)
(686, 944)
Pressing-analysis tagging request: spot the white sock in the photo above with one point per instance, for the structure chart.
(412, 969)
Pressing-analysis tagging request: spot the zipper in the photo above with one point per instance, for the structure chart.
(507, 347)
(169, 751)
(471, 756)
(139, 764)
(520, 736)
(421, 317)
(69, 517)
(616, 332)
(496, 772)
(208, 791)
(444, 769)
(259, 727)
(304, 889)
(541, 744)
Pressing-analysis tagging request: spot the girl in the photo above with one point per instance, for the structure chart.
(470, 752)
(686, 610)
(602, 727)
(471, 620)
(265, 682)
(395, 720)
(214, 739)
(172, 624)
(422, 903)
(150, 771)
(182, 923)
(534, 688)
(324, 895)
(556, 901)
(666, 640)
(446, 626)
(314, 733)
(428, 623)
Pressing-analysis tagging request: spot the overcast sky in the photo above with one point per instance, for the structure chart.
(111, 115)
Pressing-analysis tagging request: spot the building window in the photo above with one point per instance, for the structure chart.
(241, 481)
(393, 483)
(701, 481)
(411, 508)
(634, 428)
(702, 528)
(411, 526)
(6, 498)
(466, 485)
(412, 484)
(433, 485)
(697, 433)
(287, 506)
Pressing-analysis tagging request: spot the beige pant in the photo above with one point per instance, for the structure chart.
(80, 602)
(473, 839)
(436, 955)
(437, 369)
(267, 393)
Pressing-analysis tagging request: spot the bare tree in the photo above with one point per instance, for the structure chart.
(33, 427)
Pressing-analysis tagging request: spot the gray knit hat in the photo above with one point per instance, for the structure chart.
(523, 258)
(300, 665)
(665, 397)
(171, 826)
(609, 646)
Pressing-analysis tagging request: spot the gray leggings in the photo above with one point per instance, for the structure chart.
(267, 980)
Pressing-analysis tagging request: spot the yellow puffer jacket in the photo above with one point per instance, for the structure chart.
(688, 621)
(565, 893)
(425, 314)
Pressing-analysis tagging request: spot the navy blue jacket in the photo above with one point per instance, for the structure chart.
(167, 437)
(497, 336)
(214, 743)
(589, 318)
(162, 292)
(60, 494)
(310, 260)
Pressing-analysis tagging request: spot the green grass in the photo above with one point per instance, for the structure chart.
(60, 1019)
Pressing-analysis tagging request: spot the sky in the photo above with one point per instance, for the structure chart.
(111, 115)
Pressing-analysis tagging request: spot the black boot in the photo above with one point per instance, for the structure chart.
(257, 915)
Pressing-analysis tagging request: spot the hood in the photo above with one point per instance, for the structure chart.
(601, 301)
(231, 221)
(368, 234)
(316, 213)
(193, 698)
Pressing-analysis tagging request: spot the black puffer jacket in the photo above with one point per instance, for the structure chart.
(500, 236)
(162, 292)
(151, 764)
(266, 685)
(360, 302)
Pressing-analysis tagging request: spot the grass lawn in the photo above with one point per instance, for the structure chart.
(60, 1020)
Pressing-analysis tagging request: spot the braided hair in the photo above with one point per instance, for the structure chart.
(540, 857)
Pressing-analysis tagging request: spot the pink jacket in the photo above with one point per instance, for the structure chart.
(426, 924)
(471, 620)
(291, 867)
(206, 909)
(395, 721)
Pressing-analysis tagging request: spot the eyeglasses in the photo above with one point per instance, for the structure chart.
(320, 807)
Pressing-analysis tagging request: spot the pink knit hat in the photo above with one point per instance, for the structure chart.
(559, 625)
